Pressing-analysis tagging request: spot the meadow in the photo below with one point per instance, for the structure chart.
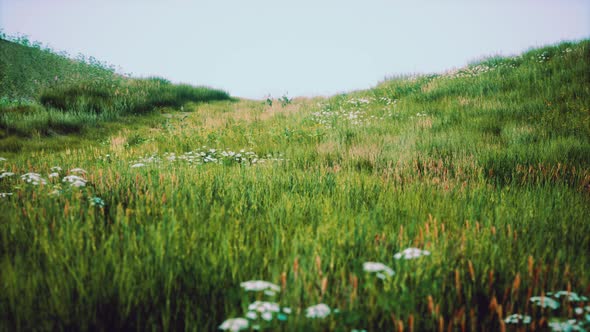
(457, 201)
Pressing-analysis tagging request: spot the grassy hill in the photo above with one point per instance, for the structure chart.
(43, 93)
(158, 222)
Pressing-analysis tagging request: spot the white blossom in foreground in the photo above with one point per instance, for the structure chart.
(380, 269)
(75, 181)
(234, 324)
(3, 159)
(4, 195)
(545, 302)
(317, 311)
(267, 316)
(33, 178)
(518, 319)
(263, 306)
(571, 296)
(259, 285)
(267, 311)
(569, 325)
(411, 253)
(6, 174)
(53, 175)
(56, 169)
(137, 165)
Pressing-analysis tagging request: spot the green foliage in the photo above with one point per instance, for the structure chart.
(486, 167)
(45, 93)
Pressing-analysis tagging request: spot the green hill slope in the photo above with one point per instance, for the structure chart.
(47, 94)
(159, 223)
(27, 70)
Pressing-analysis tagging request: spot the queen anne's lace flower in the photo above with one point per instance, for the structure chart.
(318, 311)
(411, 253)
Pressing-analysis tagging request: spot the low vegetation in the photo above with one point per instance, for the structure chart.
(47, 94)
(456, 201)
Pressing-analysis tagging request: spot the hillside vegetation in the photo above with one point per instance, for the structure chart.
(47, 94)
(159, 222)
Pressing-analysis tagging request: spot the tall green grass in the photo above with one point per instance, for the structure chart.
(488, 168)
(44, 93)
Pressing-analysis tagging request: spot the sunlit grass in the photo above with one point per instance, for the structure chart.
(457, 201)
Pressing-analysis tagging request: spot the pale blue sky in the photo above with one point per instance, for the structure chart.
(304, 47)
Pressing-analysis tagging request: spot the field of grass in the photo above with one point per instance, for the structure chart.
(44, 94)
(159, 221)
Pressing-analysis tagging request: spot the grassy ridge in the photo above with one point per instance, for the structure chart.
(27, 69)
(47, 94)
(487, 167)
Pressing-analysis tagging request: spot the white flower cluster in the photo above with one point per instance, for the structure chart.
(388, 101)
(411, 253)
(352, 111)
(518, 319)
(571, 296)
(544, 302)
(268, 288)
(543, 57)
(33, 178)
(382, 271)
(569, 325)
(6, 174)
(75, 181)
(474, 71)
(267, 311)
(318, 311)
(36, 178)
(234, 324)
(205, 155)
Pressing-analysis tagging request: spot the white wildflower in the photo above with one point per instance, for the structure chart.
(411, 253)
(4, 195)
(545, 302)
(137, 165)
(3, 159)
(259, 285)
(381, 269)
(33, 178)
(6, 174)
(267, 316)
(317, 311)
(73, 178)
(234, 324)
(53, 175)
(263, 306)
(518, 319)
(252, 315)
(571, 296)
(78, 184)
(56, 169)
(570, 325)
